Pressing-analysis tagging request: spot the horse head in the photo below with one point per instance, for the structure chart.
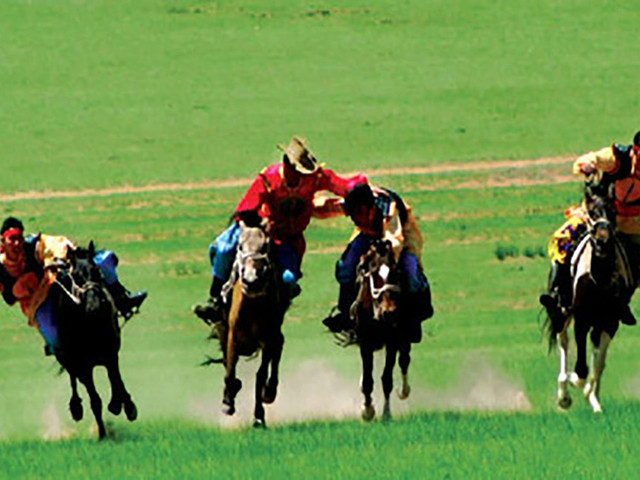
(85, 278)
(253, 264)
(378, 279)
(602, 217)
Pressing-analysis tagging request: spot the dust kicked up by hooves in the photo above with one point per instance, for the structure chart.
(315, 390)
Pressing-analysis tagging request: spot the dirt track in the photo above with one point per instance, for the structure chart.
(399, 171)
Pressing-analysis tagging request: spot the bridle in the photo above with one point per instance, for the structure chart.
(76, 292)
(383, 271)
(368, 273)
(240, 267)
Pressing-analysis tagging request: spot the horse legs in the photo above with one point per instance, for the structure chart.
(366, 383)
(564, 398)
(387, 379)
(261, 378)
(592, 388)
(232, 384)
(578, 377)
(119, 394)
(96, 402)
(275, 352)
(75, 404)
(404, 358)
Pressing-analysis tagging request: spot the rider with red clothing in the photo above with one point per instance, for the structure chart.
(28, 268)
(284, 194)
(380, 214)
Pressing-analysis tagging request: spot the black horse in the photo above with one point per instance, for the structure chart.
(382, 320)
(89, 334)
(602, 287)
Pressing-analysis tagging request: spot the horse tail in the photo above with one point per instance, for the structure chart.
(210, 361)
(550, 332)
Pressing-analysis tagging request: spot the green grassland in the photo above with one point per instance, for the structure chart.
(109, 93)
(173, 90)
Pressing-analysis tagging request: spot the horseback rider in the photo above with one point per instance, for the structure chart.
(27, 270)
(380, 213)
(285, 194)
(618, 165)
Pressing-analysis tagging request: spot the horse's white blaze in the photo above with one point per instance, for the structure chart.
(384, 271)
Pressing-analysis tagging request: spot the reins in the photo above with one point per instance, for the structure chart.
(76, 290)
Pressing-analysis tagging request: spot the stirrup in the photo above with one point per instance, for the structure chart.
(209, 311)
(128, 305)
(628, 318)
(337, 321)
(346, 338)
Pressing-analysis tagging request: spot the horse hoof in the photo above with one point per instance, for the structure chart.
(564, 402)
(269, 394)
(368, 412)
(576, 381)
(75, 407)
(131, 411)
(404, 392)
(115, 407)
(259, 424)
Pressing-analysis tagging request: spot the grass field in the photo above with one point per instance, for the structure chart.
(121, 93)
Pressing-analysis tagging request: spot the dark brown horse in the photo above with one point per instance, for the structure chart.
(253, 320)
(89, 335)
(602, 287)
(381, 322)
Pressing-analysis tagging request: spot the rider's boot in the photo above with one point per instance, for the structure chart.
(419, 310)
(339, 319)
(627, 316)
(557, 301)
(126, 302)
(210, 311)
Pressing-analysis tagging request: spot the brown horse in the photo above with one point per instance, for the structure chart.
(381, 321)
(253, 322)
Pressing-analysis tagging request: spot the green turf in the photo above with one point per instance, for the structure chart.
(139, 92)
(107, 93)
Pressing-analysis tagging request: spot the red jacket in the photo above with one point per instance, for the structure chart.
(290, 208)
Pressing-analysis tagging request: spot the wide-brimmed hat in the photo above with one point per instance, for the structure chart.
(300, 156)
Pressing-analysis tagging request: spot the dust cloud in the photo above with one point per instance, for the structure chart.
(54, 425)
(316, 391)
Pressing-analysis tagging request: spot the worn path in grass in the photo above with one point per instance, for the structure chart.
(392, 171)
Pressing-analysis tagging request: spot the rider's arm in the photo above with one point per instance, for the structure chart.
(255, 196)
(50, 249)
(327, 207)
(329, 180)
(393, 231)
(602, 160)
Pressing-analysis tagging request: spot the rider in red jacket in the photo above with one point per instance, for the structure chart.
(284, 194)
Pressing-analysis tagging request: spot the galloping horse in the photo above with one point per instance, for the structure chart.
(89, 335)
(602, 287)
(381, 321)
(253, 320)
